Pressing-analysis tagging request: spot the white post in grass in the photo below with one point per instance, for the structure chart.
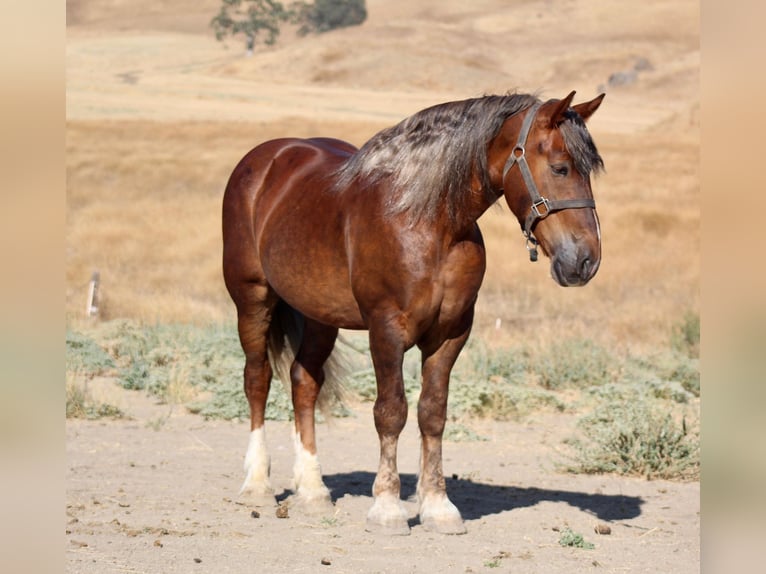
(91, 308)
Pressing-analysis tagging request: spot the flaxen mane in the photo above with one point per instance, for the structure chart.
(430, 157)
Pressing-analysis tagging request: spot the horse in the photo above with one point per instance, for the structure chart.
(320, 236)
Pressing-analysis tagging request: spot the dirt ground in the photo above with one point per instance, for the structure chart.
(158, 492)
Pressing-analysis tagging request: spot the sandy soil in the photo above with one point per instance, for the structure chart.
(157, 493)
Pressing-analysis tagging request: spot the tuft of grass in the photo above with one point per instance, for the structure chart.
(497, 560)
(457, 432)
(639, 437)
(80, 404)
(574, 539)
(686, 335)
(329, 521)
(158, 423)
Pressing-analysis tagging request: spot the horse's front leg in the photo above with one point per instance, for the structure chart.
(437, 512)
(387, 347)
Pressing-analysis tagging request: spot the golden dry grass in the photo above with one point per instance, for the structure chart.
(159, 114)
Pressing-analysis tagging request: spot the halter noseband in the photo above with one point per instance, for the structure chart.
(541, 206)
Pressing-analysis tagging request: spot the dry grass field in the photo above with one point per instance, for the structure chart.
(158, 113)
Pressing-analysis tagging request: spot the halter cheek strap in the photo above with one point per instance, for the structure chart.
(541, 206)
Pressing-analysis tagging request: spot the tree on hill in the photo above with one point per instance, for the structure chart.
(252, 19)
(260, 20)
(326, 15)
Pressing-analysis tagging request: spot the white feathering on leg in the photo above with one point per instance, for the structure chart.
(307, 472)
(257, 464)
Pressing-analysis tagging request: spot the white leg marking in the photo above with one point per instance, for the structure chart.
(308, 474)
(257, 466)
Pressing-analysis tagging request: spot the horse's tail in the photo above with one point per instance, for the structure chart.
(285, 336)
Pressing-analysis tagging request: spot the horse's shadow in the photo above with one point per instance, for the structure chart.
(476, 499)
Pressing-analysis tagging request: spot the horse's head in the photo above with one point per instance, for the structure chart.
(547, 156)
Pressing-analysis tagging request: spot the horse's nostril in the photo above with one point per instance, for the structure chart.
(585, 267)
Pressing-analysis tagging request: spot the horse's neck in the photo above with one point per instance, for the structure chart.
(465, 219)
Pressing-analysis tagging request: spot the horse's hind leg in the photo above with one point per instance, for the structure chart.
(307, 376)
(254, 318)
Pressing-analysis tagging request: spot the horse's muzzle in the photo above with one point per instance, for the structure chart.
(575, 267)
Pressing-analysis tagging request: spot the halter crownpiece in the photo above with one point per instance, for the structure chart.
(541, 206)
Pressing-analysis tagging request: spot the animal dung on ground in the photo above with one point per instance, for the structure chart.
(602, 528)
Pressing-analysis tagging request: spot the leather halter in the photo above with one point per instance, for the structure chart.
(541, 206)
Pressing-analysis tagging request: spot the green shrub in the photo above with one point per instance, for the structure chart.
(575, 539)
(85, 356)
(673, 375)
(640, 437)
(499, 399)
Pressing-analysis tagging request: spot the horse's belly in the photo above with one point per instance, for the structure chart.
(314, 283)
(327, 305)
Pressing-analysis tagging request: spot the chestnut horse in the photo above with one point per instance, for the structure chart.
(319, 235)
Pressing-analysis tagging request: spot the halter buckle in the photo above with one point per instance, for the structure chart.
(536, 208)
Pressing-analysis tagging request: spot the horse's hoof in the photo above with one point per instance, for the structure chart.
(387, 516)
(444, 525)
(313, 505)
(258, 497)
(398, 527)
(438, 514)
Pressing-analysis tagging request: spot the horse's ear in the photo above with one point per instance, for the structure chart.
(586, 109)
(558, 112)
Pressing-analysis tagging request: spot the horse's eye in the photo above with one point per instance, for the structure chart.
(561, 170)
